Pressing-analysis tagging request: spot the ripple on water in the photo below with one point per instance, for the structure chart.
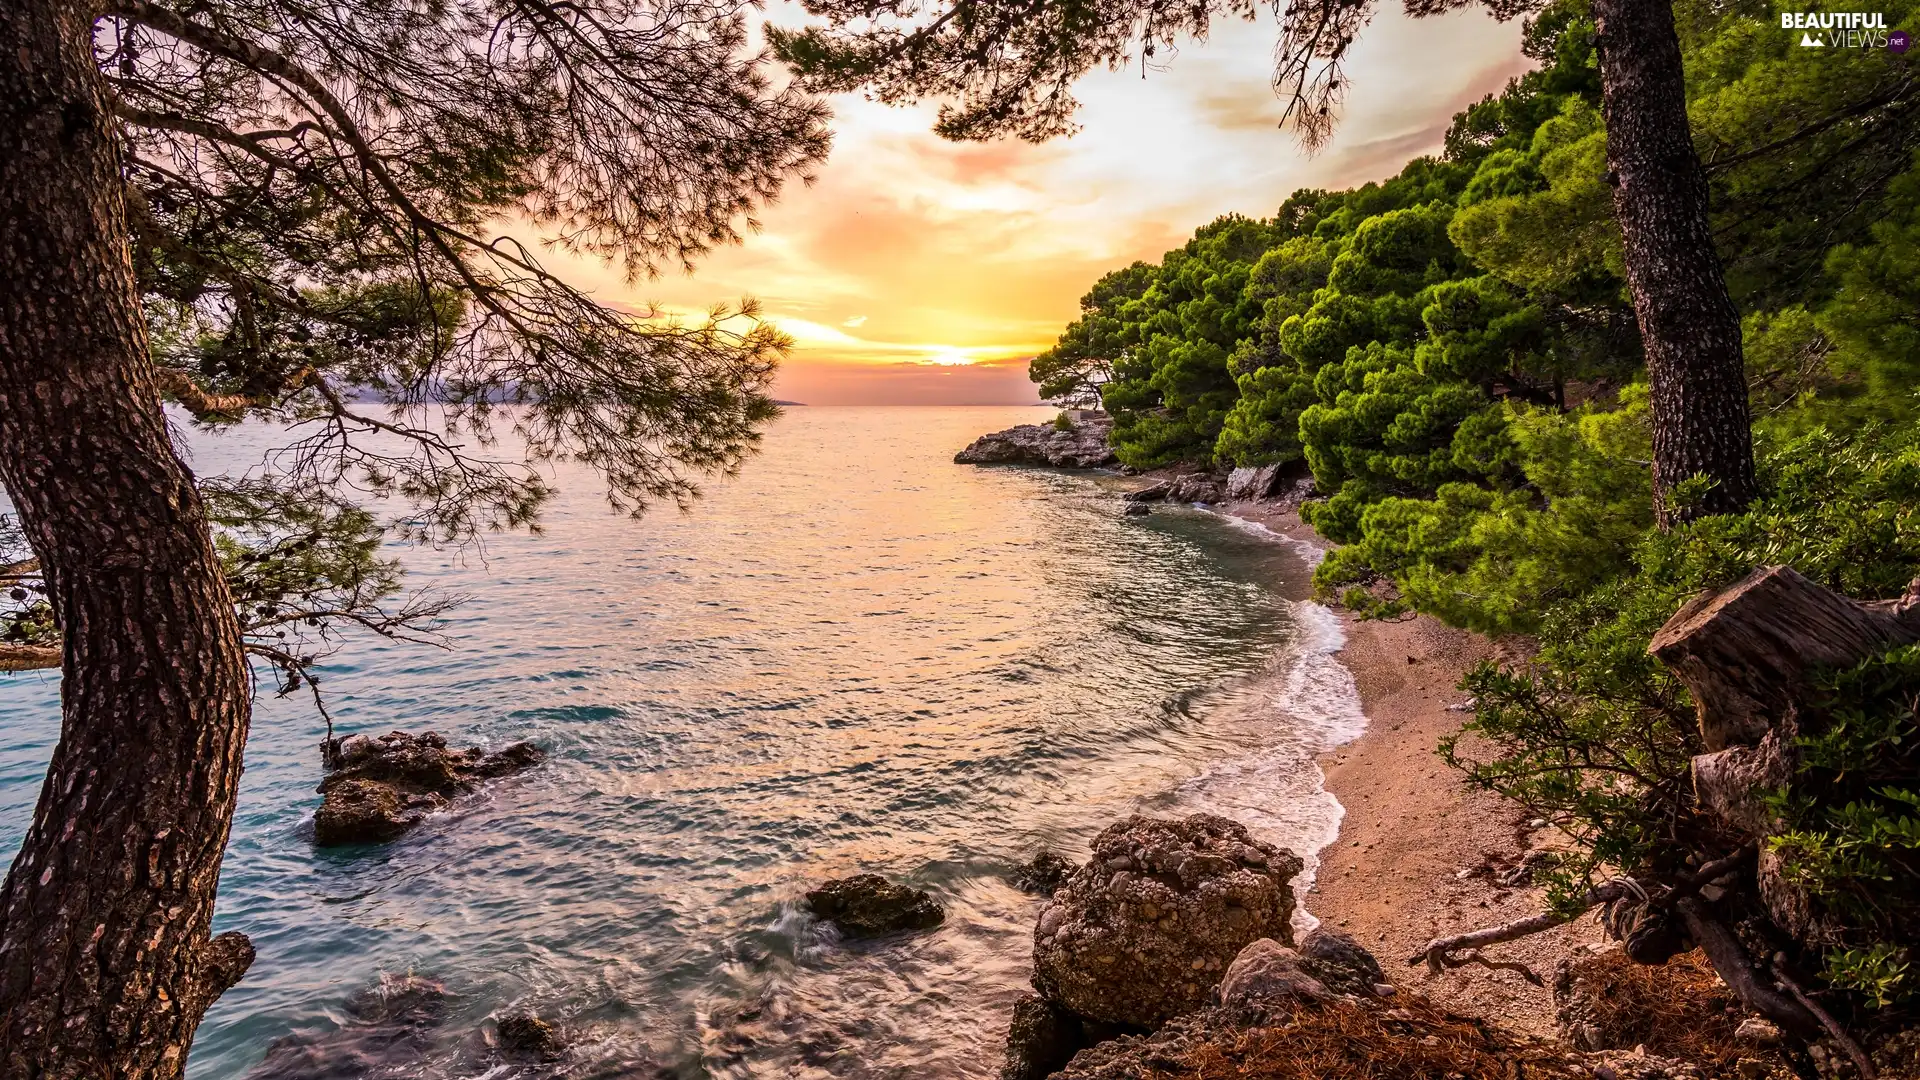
(858, 657)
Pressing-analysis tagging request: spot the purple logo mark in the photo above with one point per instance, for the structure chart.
(1899, 41)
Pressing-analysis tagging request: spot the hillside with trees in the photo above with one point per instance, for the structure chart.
(1453, 355)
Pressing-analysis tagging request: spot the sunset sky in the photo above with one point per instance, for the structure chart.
(923, 271)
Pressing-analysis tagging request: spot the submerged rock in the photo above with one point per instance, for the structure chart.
(1083, 445)
(1146, 929)
(527, 1035)
(390, 1032)
(382, 787)
(1043, 874)
(869, 905)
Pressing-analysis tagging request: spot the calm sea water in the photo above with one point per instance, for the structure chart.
(856, 657)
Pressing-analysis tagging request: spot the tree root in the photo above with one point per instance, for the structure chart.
(1460, 949)
(1861, 1061)
(1735, 968)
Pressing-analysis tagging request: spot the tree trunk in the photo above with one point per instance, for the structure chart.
(106, 965)
(1688, 324)
(1745, 653)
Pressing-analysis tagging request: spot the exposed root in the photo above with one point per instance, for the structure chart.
(1440, 953)
(1853, 1051)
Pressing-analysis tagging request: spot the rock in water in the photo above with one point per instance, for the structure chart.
(382, 787)
(1043, 874)
(869, 905)
(364, 812)
(1081, 446)
(527, 1035)
(1146, 929)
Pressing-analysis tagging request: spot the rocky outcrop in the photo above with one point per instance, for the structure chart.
(869, 905)
(1187, 488)
(1043, 874)
(382, 787)
(1081, 445)
(390, 1030)
(1146, 929)
(526, 1035)
(1254, 484)
(1342, 964)
(1041, 1039)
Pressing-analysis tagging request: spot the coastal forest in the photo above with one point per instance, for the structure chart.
(1452, 355)
(1624, 379)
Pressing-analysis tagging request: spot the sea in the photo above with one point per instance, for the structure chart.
(854, 657)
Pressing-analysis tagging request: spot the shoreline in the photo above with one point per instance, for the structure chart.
(1417, 853)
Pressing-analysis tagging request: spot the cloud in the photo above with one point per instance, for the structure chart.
(976, 255)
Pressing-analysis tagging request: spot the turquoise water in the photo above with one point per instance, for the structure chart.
(855, 657)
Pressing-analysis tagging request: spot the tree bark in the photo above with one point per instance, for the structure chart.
(106, 963)
(1744, 652)
(1701, 424)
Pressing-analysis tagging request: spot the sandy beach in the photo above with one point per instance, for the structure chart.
(1419, 853)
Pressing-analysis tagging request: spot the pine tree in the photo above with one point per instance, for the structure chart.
(1007, 68)
(278, 209)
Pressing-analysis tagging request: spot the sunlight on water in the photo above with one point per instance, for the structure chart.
(856, 657)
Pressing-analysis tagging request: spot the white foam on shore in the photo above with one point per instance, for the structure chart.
(1280, 792)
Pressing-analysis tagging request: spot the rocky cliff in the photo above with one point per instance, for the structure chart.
(1080, 444)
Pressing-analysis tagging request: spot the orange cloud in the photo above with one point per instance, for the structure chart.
(910, 251)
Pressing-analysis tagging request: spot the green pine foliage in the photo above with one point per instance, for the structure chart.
(1452, 354)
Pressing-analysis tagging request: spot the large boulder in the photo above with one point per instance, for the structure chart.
(1145, 930)
(1196, 488)
(1268, 980)
(1081, 444)
(868, 905)
(1342, 964)
(1253, 484)
(380, 787)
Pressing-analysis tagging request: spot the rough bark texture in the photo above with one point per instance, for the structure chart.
(1687, 320)
(1744, 651)
(106, 964)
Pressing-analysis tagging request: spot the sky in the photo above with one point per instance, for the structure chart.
(919, 271)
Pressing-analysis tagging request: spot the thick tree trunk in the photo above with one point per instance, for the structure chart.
(1701, 424)
(106, 964)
